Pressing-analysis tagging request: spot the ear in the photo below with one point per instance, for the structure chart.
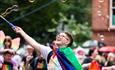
(67, 42)
(15, 43)
(2, 37)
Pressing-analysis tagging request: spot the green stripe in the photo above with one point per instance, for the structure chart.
(68, 52)
(9, 67)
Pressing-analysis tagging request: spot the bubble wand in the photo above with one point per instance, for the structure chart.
(10, 24)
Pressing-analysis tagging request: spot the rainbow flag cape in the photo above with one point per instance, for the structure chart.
(7, 66)
(15, 43)
(2, 37)
(67, 59)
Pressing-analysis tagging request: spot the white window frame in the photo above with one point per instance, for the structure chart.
(111, 15)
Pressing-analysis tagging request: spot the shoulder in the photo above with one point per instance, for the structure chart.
(45, 50)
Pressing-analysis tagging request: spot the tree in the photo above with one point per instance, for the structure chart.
(80, 32)
(35, 17)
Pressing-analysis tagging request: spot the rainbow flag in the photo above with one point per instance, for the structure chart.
(94, 65)
(67, 59)
(7, 67)
(2, 37)
(42, 65)
(15, 43)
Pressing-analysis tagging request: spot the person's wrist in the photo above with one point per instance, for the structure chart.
(22, 33)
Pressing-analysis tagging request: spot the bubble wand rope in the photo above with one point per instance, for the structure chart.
(10, 24)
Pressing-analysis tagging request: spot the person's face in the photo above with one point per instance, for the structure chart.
(62, 39)
(110, 58)
(7, 43)
(30, 51)
(95, 53)
(7, 57)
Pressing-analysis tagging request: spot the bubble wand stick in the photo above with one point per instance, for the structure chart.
(10, 24)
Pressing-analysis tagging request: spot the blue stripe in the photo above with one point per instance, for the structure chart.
(64, 62)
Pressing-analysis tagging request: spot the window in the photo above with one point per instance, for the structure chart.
(112, 13)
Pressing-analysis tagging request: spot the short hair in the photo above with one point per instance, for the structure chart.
(70, 37)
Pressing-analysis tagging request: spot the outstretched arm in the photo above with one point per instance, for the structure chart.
(27, 38)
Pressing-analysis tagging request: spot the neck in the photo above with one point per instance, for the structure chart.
(62, 46)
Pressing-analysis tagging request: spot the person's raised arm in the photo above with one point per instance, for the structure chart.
(27, 38)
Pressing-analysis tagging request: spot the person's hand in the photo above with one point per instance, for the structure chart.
(55, 44)
(9, 50)
(18, 29)
(15, 68)
(28, 58)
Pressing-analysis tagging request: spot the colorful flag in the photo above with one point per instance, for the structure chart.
(7, 67)
(2, 37)
(94, 65)
(67, 59)
(42, 65)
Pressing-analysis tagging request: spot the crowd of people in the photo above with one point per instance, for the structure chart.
(57, 56)
(12, 60)
(96, 58)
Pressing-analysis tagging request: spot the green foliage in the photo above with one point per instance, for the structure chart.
(41, 21)
(80, 32)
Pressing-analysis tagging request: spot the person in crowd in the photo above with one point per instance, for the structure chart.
(7, 54)
(28, 58)
(110, 60)
(7, 63)
(93, 52)
(59, 48)
(100, 58)
(38, 63)
(80, 54)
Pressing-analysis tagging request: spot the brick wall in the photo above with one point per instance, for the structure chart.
(100, 21)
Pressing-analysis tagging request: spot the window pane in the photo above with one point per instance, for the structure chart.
(113, 17)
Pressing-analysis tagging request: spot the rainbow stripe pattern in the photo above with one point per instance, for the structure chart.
(67, 59)
(7, 66)
(42, 66)
(2, 37)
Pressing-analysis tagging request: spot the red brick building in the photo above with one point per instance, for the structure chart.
(103, 20)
